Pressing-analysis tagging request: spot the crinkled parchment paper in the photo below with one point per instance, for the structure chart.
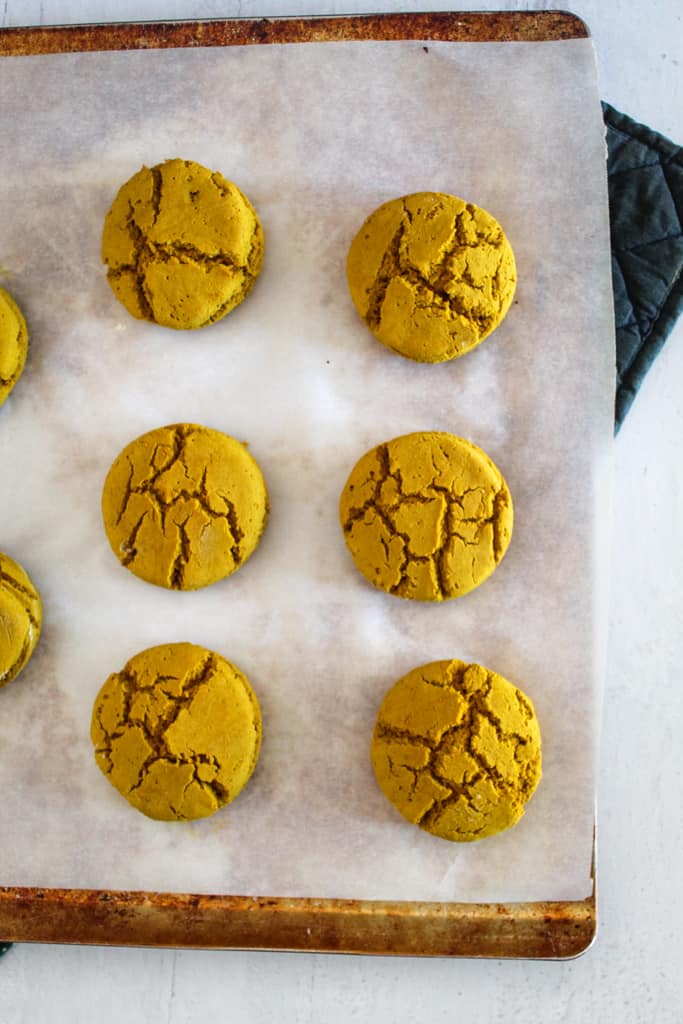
(317, 135)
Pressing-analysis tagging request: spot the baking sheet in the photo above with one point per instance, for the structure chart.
(317, 135)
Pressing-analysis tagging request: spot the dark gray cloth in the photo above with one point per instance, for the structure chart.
(645, 177)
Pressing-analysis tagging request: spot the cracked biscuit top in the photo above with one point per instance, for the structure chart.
(184, 506)
(431, 275)
(183, 245)
(13, 344)
(21, 618)
(426, 516)
(177, 731)
(457, 750)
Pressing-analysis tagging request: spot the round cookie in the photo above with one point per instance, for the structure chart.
(183, 245)
(184, 506)
(426, 516)
(177, 731)
(13, 344)
(21, 618)
(457, 750)
(431, 275)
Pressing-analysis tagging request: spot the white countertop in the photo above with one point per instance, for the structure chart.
(632, 973)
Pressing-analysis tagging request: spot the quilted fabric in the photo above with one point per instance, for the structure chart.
(645, 178)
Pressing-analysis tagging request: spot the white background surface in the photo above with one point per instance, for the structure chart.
(632, 973)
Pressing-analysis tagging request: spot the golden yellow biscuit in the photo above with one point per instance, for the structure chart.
(177, 731)
(457, 750)
(21, 618)
(431, 275)
(183, 245)
(184, 506)
(13, 344)
(426, 516)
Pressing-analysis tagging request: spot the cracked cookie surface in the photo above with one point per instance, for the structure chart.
(431, 275)
(21, 618)
(426, 516)
(457, 750)
(182, 244)
(177, 731)
(13, 344)
(184, 506)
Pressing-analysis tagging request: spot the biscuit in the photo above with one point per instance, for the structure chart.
(21, 618)
(431, 275)
(457, 750)
(426, 516)
(184, 506)
(183, 245)
(13, 344)
(177, 731)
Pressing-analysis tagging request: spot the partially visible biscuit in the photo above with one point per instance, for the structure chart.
(21, 618)
(426, 516)
(177, 731)
(183, 245)
(184, 506)
(457, 750)
(13, 344)
(431, 275)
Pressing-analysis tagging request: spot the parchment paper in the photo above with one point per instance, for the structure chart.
(317, 136)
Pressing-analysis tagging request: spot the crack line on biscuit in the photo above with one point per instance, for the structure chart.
(127, 491)
(26, 596)
(387, 271)
(500, 502)
(185, 252)
(156, 193)
(177, 576)
(139, 245)
(128, 549)
(15, 668)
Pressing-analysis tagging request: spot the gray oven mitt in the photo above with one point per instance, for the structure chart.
(645, 178)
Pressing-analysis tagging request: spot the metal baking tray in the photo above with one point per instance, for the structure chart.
(551, 929)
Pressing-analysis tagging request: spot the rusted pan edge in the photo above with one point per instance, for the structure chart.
(474, 27)
(539, 930)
